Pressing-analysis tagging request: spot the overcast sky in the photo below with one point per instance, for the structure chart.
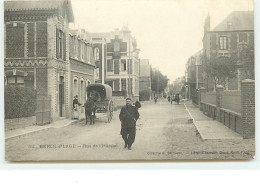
(168, 32)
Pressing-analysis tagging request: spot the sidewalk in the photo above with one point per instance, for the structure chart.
(35, 128)
(208, 128)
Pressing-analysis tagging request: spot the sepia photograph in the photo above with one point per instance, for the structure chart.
(129, 80)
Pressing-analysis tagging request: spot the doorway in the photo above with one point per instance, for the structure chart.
(61, 95)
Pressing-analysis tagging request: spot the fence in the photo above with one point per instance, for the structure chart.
(235, 109)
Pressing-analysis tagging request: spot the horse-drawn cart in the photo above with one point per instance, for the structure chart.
(102, 96)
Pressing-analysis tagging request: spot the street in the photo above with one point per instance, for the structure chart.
(163, 133)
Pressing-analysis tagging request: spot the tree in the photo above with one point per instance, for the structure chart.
(220, 68)
(178, 84)
(158, 81)
(247, 62)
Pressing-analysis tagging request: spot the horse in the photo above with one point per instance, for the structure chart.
(90, 110)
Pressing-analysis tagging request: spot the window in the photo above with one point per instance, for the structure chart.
(97, 73)
(60, 45)
(82, 50)
(75, 87)
(223, 43)
(123, 84)
(116, 46)
(15, 40)
(242, 37)
(96, 54)
(123, 65)
(75, 47)
(109, 65)
(15, 80)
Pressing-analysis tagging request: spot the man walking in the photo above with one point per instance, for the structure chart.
(128, 117)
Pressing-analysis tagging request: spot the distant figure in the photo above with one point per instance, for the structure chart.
(128, 117)
(169, 99)
(75, 107)
(177, 98)
(172, 98)
(155, 99)
(90, 110)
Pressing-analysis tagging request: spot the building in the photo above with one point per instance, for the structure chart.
(99, 44)
(37, 45)
(193, 76)
(118, 60)
(145, 78)
(82, 64)
(231, 38)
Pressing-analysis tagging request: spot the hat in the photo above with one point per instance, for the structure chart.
(128, 99)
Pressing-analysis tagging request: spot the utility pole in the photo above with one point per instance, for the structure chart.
(129, 64)
(158, 81)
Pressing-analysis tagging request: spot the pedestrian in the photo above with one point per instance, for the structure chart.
(177, 98)
(169, 98)
(75, 107)
(155, 99)
(90, 109)
(172, 98)
(128, 117)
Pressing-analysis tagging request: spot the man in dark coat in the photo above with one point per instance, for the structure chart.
(128, 117)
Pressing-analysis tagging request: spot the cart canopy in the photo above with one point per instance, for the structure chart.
(104, 91)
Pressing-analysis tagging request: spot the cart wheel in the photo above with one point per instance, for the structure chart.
(110, 112)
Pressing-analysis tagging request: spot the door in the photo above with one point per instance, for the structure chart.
(116, 66)
(61, 95)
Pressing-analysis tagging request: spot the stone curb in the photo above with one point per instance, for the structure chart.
(41, 129)
(194, 122)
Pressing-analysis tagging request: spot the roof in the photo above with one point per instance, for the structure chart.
(104, 90)
(24, 5)
(237, 20)
(100, 35)
(74, 32)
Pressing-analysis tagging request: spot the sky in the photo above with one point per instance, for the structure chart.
(168, 32)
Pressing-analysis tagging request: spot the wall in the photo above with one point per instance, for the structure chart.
(235, 109)
(209, 97)
(231, 100)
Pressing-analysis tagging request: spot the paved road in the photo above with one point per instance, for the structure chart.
(163, 132)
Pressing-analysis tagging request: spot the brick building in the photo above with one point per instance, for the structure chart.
(118, 60)
(145, 76)
(233, 36)
(82, 64)
(37, 52)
